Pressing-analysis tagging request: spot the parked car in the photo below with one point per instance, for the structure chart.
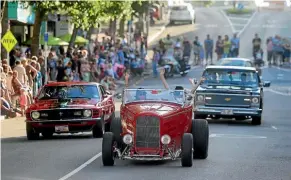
(70, 107)
(155, 125)
(230, 92)
(242, 62)
(182, 13)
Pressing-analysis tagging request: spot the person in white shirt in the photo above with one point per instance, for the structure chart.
(21, 72)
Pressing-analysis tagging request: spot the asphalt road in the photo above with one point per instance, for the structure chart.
(237, 150)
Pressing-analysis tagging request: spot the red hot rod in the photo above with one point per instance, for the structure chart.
(156, 125)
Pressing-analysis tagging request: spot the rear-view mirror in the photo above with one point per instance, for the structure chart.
(267, 84)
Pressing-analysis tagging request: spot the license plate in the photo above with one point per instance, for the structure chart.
(227, 112)
(62, 128)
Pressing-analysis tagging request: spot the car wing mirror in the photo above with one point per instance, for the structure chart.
(189, 98)
(266, 84)
(118, 96)
(195, 81)
(108, 93)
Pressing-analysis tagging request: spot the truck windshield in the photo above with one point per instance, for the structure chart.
(230, 77)
(75, 91)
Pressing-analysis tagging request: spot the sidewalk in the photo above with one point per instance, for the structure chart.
(15, 127)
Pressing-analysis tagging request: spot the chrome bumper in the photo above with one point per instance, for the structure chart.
(235, 111)
(65, 120)
(147, 158)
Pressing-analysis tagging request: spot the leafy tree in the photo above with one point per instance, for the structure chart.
(41, 8)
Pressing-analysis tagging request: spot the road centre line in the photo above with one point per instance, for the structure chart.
(228, 20)
(277, 92)
(238, 24)
(82, 166)
(274, 127)
(248, 23)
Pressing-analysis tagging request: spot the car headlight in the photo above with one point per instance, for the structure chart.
(166, 139)
(255, 100)
(87, 113)
(35, 115)
(200, 98)
(127, 139)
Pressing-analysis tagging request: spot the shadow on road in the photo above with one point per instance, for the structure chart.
(230, 122)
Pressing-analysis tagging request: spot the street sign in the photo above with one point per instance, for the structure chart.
(240, 6)
(8, 41)
(46, 37)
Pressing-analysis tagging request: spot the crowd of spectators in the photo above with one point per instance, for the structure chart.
(104, 62)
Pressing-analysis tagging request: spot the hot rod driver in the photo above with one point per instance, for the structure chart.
(155, 124)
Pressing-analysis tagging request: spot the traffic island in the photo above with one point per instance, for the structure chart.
(236, 11)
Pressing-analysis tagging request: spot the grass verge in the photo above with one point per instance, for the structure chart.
(239, 11)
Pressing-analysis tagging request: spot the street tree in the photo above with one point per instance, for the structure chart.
(41, 8)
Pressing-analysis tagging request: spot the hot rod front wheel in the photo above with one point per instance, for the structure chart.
(107, 149)
(187, 150)
(200, 132)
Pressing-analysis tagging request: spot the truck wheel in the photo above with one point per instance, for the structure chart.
(47, 134)
(30, 132)
(99, 129)
(200, 132)
(257, 120)
(107, 149)
(187, 150)
(116, 129)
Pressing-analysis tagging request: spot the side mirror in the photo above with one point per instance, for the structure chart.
(108, 93)
(119, 96)
(189, 98)
(266, 84)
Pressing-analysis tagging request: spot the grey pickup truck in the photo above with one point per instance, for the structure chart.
(230, 92)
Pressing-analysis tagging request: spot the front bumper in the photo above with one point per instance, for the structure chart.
(75, 125)
(204, 110)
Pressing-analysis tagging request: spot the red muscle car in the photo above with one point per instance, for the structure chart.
(70, 107)
(156, 125)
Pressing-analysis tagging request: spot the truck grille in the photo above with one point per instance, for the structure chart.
(61, 114)
(227, 100)
(148, 132)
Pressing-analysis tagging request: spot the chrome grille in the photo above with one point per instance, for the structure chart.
(58, 114)
(227, 100)
(147, 132)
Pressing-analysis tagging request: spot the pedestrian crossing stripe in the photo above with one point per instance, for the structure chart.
(8, 41)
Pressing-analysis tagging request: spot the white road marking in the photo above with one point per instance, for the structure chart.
(277, 92)
(70, 174)
(239, 18)
(248, 23)
(228, 20)
(237, 136)
(274, 127)
(238, 24)
(283, 69)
